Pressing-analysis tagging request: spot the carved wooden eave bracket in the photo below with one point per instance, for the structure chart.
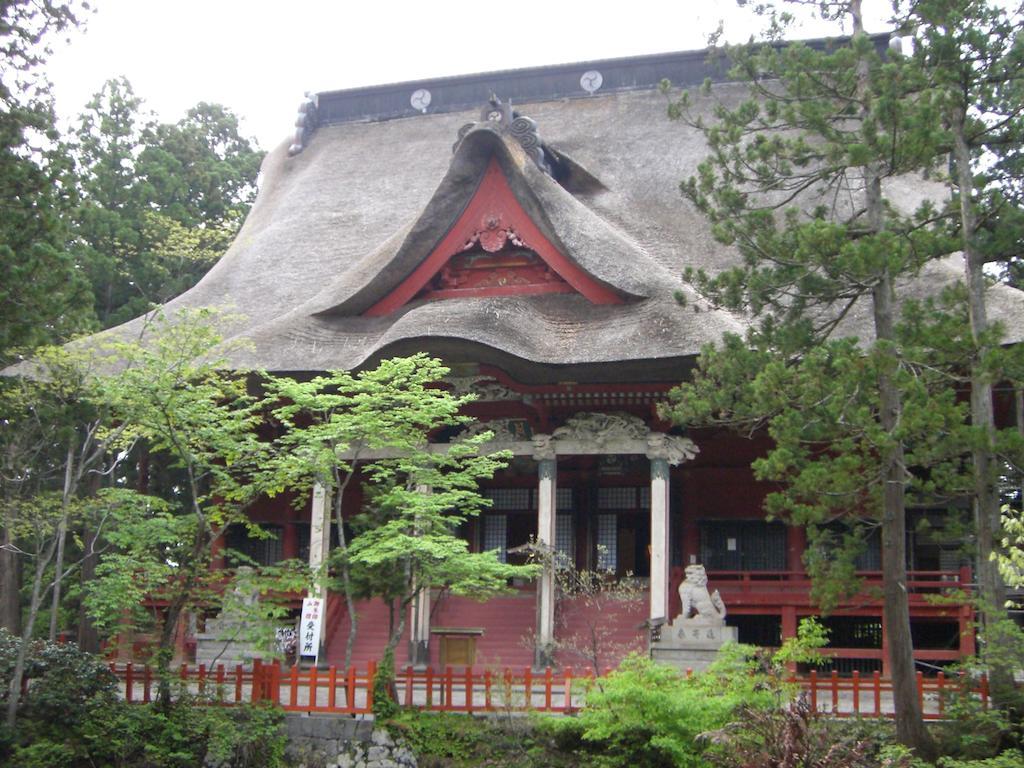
(606, 433)
(486, 388)
(585, 434)
(671, 448)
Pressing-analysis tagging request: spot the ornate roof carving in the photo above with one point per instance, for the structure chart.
(505, 430)
(305, 124)
(494, 221)
(672, 448)
(520, 127)
(484, 387)
(602, 428)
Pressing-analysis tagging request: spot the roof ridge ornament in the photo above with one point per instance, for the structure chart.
(520, 127)
(305, 123)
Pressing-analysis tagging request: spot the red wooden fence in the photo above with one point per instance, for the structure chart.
(469, 690)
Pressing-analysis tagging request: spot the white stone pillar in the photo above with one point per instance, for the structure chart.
(319, 533)
(547, 492)
(663, 451)
(319, 549)
(660, 550)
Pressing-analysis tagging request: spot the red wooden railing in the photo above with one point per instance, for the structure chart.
(799, 582)
(469, 690)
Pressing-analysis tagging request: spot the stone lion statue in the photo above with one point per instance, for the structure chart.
(697, 601)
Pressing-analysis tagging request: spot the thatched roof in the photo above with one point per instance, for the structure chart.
(338, 225)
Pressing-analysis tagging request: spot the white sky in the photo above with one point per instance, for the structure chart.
(258, 57)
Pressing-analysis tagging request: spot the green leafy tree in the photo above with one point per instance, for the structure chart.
(409, 538)
(56, 434)
(159, 202)
(106, 239)
(795, 182)
(336, 427)
(43, 298)
(174, 396)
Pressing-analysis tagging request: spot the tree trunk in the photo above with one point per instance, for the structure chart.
(62, 534)
(10, 586)
(395, 635)
(165, 650)
(14, 688)
(984, 462)
(346, 581)
(88, 637)
(910, 727)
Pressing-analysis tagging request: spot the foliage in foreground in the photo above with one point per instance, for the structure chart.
(71, 716)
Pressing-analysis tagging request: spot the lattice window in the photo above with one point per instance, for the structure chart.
(564, 500)
(752, 545)
(302, 534)
(514, 499)
(496, 535)
(645, 497)
(616, 498)
(870, 556)
(262, 551)
(607, 542)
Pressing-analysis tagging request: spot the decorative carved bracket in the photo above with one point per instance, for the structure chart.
(543, 447)
(675, 450)
(485, 388)
(493, 235)
(590, 433)
(505, 430)
(601, 428)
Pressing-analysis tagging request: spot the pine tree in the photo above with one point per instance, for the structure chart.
(795, 181)
(970, 55)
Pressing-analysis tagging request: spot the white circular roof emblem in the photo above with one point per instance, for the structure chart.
(420, 99)
(591, 81)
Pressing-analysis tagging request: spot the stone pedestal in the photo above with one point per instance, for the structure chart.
(692, 643)
(223, 643)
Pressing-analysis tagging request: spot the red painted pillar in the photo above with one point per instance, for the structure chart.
(789, 622)
(968, 643)
(289, 541)
(217, 552)
(181, 639)
(789, 625)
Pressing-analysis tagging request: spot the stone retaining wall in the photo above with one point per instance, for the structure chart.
(342, 742)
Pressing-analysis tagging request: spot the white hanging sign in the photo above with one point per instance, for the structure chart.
(310, 625)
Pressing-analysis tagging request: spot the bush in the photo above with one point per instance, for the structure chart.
(456, 741)
(440, 734)
(1010, 759)
(647, 715)
(971, 731)
(65, 681)
(384, 705)
(794, 736)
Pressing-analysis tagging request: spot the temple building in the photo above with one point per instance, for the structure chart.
(527, 228)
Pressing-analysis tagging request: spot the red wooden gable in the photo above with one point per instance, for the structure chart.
(493, 249)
